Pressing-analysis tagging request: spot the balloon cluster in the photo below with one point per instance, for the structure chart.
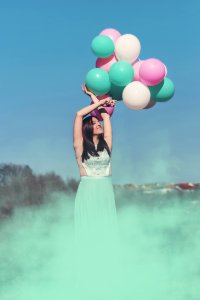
(120, 74)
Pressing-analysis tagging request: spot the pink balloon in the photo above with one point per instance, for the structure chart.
(112, 33)
(109, 109)
(101, 97)
(152, 71)
(106, 63)
(136, 68)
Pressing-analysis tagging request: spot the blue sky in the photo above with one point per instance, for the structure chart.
(44, 57)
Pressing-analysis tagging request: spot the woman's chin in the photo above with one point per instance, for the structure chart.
(100, 131)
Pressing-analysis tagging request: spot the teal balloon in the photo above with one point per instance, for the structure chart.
(116, 91)
(102, 46)
(97, 80)
(163, 91)
(121, 73)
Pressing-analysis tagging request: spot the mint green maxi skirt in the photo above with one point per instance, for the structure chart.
(96, 238)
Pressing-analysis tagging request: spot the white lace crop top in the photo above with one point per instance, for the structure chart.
(98, 165)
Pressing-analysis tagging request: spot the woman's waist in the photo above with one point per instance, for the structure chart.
(86, 177)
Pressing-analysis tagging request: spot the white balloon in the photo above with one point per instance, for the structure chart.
(127, 48)
(136, 95)
(165, 70)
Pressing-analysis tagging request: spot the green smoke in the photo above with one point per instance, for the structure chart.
(158, 255)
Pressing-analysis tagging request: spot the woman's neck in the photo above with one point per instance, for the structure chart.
(95, 141)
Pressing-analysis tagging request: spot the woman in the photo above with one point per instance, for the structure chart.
(96, 229)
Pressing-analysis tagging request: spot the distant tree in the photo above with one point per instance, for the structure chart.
(72, 185)
(10, 171)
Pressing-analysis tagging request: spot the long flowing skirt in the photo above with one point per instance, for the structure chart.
(96, 238)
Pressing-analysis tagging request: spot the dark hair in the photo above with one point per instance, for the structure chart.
(88, 144)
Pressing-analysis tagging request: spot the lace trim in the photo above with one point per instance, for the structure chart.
(98, 166)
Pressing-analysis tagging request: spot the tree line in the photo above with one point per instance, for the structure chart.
(19, 186)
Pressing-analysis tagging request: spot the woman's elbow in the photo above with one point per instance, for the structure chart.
(78, 114)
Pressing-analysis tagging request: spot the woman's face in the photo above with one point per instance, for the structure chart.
(97, 128)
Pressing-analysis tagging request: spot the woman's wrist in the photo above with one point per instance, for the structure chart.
(102, 110)
(94, 98)
(86, 110)
(101, 102)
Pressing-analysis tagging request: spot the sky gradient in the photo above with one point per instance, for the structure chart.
(44, 57)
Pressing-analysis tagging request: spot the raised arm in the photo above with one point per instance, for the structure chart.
(78, 123)
(107, 126)
(78, 137)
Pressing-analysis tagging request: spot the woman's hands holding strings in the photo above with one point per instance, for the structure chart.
(104, 102)
(108, 102)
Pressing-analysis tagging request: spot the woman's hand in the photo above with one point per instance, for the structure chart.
(108, 102)
(104, 102)
(86, 91)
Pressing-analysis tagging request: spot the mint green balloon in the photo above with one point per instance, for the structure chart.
(102, 46)
(121, 73)
(97, 80)
(163, 91)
